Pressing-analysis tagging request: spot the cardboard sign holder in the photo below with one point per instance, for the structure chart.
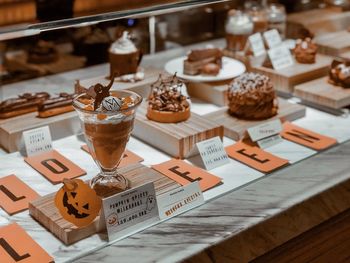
(45, 211)
(235, 128)
(176, 139)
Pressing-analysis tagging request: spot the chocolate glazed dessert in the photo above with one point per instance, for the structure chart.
(107, 119)
(251, 96)
(339, 75)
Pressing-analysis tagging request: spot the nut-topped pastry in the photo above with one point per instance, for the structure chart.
(305, 51)
(251, 96)
(197, 61)
(339, 74)
(166, 102)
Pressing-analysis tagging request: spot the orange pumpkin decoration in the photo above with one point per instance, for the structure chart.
(77, 202)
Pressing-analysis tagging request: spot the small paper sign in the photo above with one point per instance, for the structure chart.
(269, 141)
(17, 246)
(184, 174)
(306, 137)
(37, 140)
(212, 153)
(15, 194)
(255, 157)
(54, 166)
(272, 38)
(179, 200)
(131, 210)
(280, 57)
(265, 130)
(257, 44)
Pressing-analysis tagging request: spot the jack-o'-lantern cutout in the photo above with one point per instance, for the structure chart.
(77, 202)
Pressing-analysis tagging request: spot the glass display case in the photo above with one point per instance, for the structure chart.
(117, 116)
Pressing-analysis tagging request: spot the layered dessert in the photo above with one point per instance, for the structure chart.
(57, 105)
(251, 96)
(260, 19)
(305, 51)
(339, 74)
(25, 103)
(124, 57)
(239, 27)
(198, 60)
(166, 102)
(107, 120)
(44, 52)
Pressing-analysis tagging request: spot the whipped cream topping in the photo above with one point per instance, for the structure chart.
(123, 45)
(239, 24)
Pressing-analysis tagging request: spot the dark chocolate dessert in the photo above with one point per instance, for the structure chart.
(339, 74)
(199, 58)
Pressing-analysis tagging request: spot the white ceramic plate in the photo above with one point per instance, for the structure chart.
(231, 68)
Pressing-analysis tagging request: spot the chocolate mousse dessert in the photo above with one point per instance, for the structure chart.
(124, 57)
(305, 51)
(198, 60)
(107, 121)
(44, 52)
(239, 27)
(339, 74)
(251, 96)
(166, 103)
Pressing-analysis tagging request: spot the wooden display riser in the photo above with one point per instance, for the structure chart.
(235, 128)
(141, 87)
(285, 79)
(176, 139)
(322, 93)
(213, 92)
(18, 61)
(11, 129)
(248, 60)
(318, 21)
(334, 44)
(45, 211)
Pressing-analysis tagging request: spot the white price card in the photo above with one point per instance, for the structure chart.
(272, 38)
(130, 210)
(37, 140)
(257, 44)
(179, 200)
(280, 57)
(265, 130)
(269, 141)
(212, 153)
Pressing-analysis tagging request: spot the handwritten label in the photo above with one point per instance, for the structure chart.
(212, 153)
(180, 200)
(280, 57)
(265, 130)
(37, 140)
(130, 210)
(272, 38)
(257, 44)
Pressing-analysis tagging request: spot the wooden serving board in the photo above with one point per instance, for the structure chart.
(285, 79)
(11, 129)
(334, 43)
(45, 212)
(235, 128)
(322, 93)
(66, 62)
(248, 60)
(213, 92)
(175, 139)
(141, 87)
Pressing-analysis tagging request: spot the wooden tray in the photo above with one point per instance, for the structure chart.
(45, 211)
(285, 79)
(334, 44)
(235, 128)
(60, 126)
(248, 60)
(141, 87)
(320, 92)
(18, 61)
(175, 139)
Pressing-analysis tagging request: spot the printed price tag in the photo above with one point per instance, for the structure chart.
(280, 57)
(272, 38)
(213, 153)
(265, 130)
(179, 200)
(269, 141)
(130, 210)
(257, 44)
(37, 140)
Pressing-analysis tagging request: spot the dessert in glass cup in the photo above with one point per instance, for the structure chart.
(107, 119)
